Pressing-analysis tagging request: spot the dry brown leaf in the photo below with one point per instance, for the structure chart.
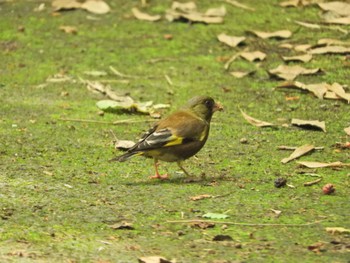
(123, 144)
(303, 58)
(313, 124)
(218, 11)
(240, 5)
(291, 72)
(313, 182)
(302, 47)
(339, 20)
(339, 91)
(337, 230)
(200, 197)
(319, 90)
(347, 130)
(143, 16)
(330, 50)
(309, 164)
(65, 4)
(332, 42)
(340, 8)
(308, 25)
(231, 41)
(241, 74)
(96, 6)
(253, 56)
(298, 152)
(122, 225)
(256, 122)
(189, 12)
(69, 29)
(154, 259)
(184, 7)
(282, 34)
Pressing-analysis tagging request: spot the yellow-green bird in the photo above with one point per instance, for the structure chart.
(177, 137)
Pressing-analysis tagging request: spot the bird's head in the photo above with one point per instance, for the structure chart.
(204, 107)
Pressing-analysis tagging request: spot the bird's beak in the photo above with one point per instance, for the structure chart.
(218, 107)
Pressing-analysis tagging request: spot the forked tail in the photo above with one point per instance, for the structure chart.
(124, 157)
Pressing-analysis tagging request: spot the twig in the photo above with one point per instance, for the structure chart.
(233, 58)
(239, 223)
(168, 79)
(313, 182)
(127, 121)
(292, 148)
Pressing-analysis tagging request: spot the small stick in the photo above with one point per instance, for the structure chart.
(233, 58)
(292, 148)
(168, 80)
(238, 223)
(313, 182)
(239, 5)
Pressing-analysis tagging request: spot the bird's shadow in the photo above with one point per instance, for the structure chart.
(201, 180)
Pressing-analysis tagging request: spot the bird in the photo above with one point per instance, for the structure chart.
(176, 137)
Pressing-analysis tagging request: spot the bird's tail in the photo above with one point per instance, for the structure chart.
(124, 157)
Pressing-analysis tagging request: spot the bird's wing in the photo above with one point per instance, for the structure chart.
(172, 131)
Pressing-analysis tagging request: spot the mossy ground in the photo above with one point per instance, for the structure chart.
(58, 193)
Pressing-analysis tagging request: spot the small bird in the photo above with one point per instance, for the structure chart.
(177, 137)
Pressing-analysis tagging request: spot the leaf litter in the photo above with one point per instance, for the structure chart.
(309, 124)
(93, 6)
(311, 164)
(280, 34)
(256, 122)
(298, 152)
(291, 72)
(145, 17)
(231, 41)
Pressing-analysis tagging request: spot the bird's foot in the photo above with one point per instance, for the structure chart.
(161, 177)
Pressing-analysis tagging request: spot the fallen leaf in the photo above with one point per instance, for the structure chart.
(215, 216)
(256, 122)
(143, 16)
(123, 144)
(330, 50)
(298, 152)
(286, 45)
(59, 5)
(337, 230)
(218, 11)
(307, 124)
(347, 130)
(121, 226)
(154, 259)
(184, 7)
(313, 182)
(241, 74)
(332, 42)
(69, 29)
(253, 56)
(339, 20)
(308, 25)
(239, 5)
(309, 164)
(200, 197)
(231, 41)
(319, 90)
(302, 47)
(303, 58)
(96, 6)
(340, 8)
(297, 3)
(277, 212)
(291, 72)
(339, 91)
(281, 34)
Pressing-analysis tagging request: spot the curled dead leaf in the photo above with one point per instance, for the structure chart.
(310, 124)
(291, 72)
(281, 34)
(200, 197)
(310, 164)
(303, 58)
(253, 56)
(256, 122)
(330, 50)
(154, 259)
(241, 74)
(340, 8)
(337, 230)
(231, 41)
(298, 152)
(69, 29)
(145, 17)
(96, 6)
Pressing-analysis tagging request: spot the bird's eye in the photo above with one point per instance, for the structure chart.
(209, 103)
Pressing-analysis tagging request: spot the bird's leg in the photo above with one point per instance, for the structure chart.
(157, 175)
(183, 169)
